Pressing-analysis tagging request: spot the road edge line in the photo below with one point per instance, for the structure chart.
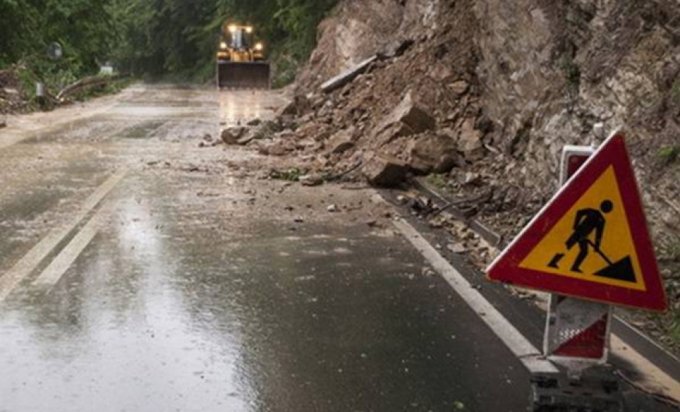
(527, 354)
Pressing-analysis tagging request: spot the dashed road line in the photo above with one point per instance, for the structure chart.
(56, 269)
(528, 354)
(30, 261)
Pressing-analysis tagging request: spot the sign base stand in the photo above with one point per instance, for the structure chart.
(596, 389)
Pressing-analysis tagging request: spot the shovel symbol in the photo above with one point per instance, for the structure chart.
(620, 270)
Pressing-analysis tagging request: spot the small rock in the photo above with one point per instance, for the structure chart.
(470, 141)
(456, 248)
(598, 130)
(231, 135)
(298, 220)
(440, 72)
(459, 87)
(332, 208)
(383, 171)
(472, 178)
(276, 148)
(246, 138)
(436, 224)
(397, 48)
(311, 180)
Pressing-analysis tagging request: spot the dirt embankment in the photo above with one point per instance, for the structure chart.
(483, 94)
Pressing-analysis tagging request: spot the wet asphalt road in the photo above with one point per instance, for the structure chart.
(191, 287)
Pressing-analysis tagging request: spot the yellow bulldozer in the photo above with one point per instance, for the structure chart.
(240, 59)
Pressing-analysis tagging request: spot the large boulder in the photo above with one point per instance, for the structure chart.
(434, 153)
(340, 141)
(232, 135)
(385, 171)
(410, 117)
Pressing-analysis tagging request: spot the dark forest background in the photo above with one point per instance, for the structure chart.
(171, 39)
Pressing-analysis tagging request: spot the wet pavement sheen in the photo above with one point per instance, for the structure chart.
(198, 295)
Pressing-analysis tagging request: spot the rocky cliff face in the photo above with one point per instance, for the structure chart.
(519, 79)
(358, 29)
(506, 84)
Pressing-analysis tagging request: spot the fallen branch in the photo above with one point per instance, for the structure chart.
(90, 81)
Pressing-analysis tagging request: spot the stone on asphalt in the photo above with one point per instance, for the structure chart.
(232, 134)
(384, 171)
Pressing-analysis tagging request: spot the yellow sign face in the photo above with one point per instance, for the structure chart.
(593, 241)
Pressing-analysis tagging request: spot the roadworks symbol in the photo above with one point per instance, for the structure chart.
(592, 241)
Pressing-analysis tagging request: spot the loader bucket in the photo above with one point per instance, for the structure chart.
(243, 75)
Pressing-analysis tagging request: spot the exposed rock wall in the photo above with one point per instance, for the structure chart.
(358, 29)
(541, 74)
(551, 71)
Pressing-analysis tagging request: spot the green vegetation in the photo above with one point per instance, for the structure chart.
(437, 180)
(154, 38)
(675, 91)
(669, 154)
(572, 73)
(291, 175)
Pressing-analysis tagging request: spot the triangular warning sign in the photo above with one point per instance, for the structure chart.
(591, 240)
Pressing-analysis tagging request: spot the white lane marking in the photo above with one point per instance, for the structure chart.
(56, 269)
(40, 251)
(527, 353)
(648, 375)
(646, 338)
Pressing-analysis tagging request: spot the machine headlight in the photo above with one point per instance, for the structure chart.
(223, 45)
(259, 46)
(232, 28)
(249, 29)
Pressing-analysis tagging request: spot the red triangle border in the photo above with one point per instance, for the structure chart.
(506, 268)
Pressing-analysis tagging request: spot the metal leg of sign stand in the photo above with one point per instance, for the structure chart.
(592, 392)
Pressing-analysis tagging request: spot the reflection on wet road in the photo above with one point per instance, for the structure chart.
(195, 289)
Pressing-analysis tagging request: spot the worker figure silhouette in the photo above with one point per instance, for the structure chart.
(587, 221)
